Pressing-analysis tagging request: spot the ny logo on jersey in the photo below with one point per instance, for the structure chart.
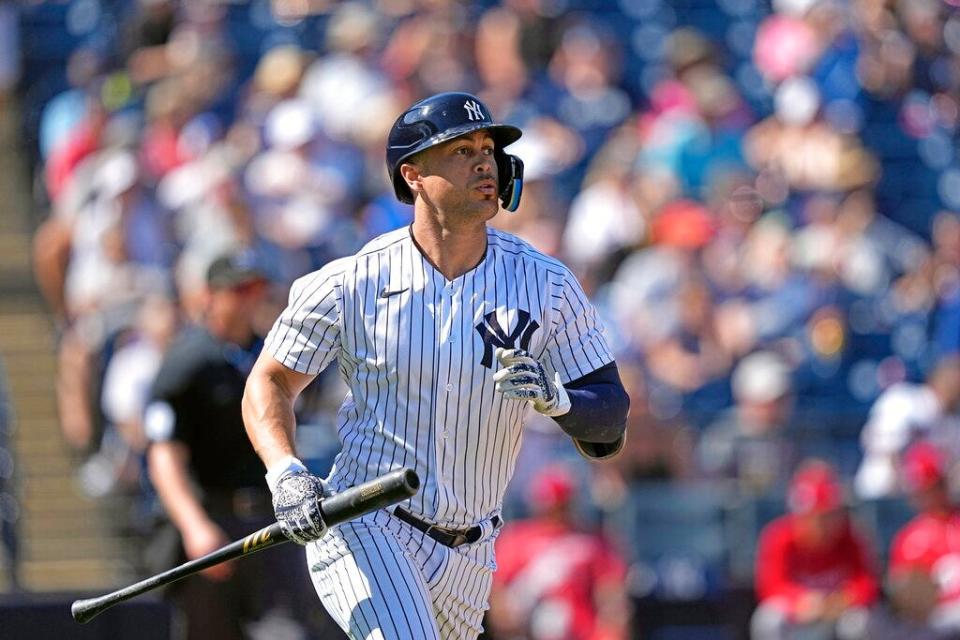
(493, 335)
(473, 110)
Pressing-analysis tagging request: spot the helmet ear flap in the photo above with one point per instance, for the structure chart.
(510, 179)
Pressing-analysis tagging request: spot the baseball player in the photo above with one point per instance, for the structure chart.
(929, 545)
(447, 332)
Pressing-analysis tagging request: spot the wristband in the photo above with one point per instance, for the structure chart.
(286, 465)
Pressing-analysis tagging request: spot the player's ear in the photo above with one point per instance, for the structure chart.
(412, 174)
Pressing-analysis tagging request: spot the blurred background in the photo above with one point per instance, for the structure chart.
(760, 196)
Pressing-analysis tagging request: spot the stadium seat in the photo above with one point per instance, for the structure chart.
(883, 518)
(677, 533)
(746, 518)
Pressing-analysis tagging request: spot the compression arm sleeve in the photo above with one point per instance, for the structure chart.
(597, 419)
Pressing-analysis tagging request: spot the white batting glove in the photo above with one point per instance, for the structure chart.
(522, 377)
(296, 501)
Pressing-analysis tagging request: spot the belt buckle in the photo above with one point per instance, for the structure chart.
(457, 537)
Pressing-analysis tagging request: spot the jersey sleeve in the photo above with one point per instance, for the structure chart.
(577, 346)
(306, 336)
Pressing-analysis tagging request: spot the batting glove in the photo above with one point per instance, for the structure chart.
(522, 377)
(296, 503)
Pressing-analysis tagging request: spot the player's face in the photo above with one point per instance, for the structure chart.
(459, 177)
(823, 529)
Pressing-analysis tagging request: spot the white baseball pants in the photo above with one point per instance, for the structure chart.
(382, 579)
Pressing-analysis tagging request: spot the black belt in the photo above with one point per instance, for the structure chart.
(452, 538)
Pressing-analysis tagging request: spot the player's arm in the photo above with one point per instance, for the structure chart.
(598, 406)
(303, 341)
(591, 409)
(268, 402)
(270, 422)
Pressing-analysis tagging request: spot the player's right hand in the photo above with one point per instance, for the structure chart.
(296, 504)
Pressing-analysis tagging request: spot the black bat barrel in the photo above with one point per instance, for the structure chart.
(370, 496)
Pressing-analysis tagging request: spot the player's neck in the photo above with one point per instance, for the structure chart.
(451, 251)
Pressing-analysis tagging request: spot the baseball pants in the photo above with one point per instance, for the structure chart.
(381, 579)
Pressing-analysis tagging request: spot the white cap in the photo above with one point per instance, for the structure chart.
(761, 377)
(290, 124)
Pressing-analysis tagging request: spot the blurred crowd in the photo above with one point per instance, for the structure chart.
(761, 198)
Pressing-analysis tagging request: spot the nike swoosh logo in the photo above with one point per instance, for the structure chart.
(387, 294)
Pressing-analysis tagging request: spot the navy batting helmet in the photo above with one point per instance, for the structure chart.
(446, 116)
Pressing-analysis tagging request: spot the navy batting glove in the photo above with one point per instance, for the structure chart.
(296, 504)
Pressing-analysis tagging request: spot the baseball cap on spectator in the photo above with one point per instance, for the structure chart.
(234, 270)
(815, 489)
(552, 486)
(762, 376)
(923, 466)
(685, 224)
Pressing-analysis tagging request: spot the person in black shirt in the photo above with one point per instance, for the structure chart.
(207, 475)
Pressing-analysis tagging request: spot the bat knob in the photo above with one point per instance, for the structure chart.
(82, 611)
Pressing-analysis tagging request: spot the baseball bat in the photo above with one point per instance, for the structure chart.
(346, 505)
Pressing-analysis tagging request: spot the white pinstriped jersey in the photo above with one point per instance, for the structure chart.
(417, 352)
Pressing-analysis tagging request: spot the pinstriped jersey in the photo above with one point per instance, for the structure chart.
(417, 352)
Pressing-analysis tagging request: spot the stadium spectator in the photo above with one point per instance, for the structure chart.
(67, 109)
(106, 245)
(554, 579)
(904, 413)
(929, 545)
(910, 598)
(654, 449)
(117, 465)
(751, 444)
(208, 477)
(814, 577)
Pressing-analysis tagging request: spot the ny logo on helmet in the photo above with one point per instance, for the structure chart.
(474, 112)
(494, 336)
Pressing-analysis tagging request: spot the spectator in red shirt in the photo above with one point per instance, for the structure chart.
(813, 575)
(929, 545)
(555, 581)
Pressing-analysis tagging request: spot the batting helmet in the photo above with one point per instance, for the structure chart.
(446, 116)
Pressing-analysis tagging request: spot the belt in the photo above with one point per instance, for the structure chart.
(452, 538)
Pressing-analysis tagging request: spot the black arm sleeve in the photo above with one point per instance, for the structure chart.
(597, 418)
